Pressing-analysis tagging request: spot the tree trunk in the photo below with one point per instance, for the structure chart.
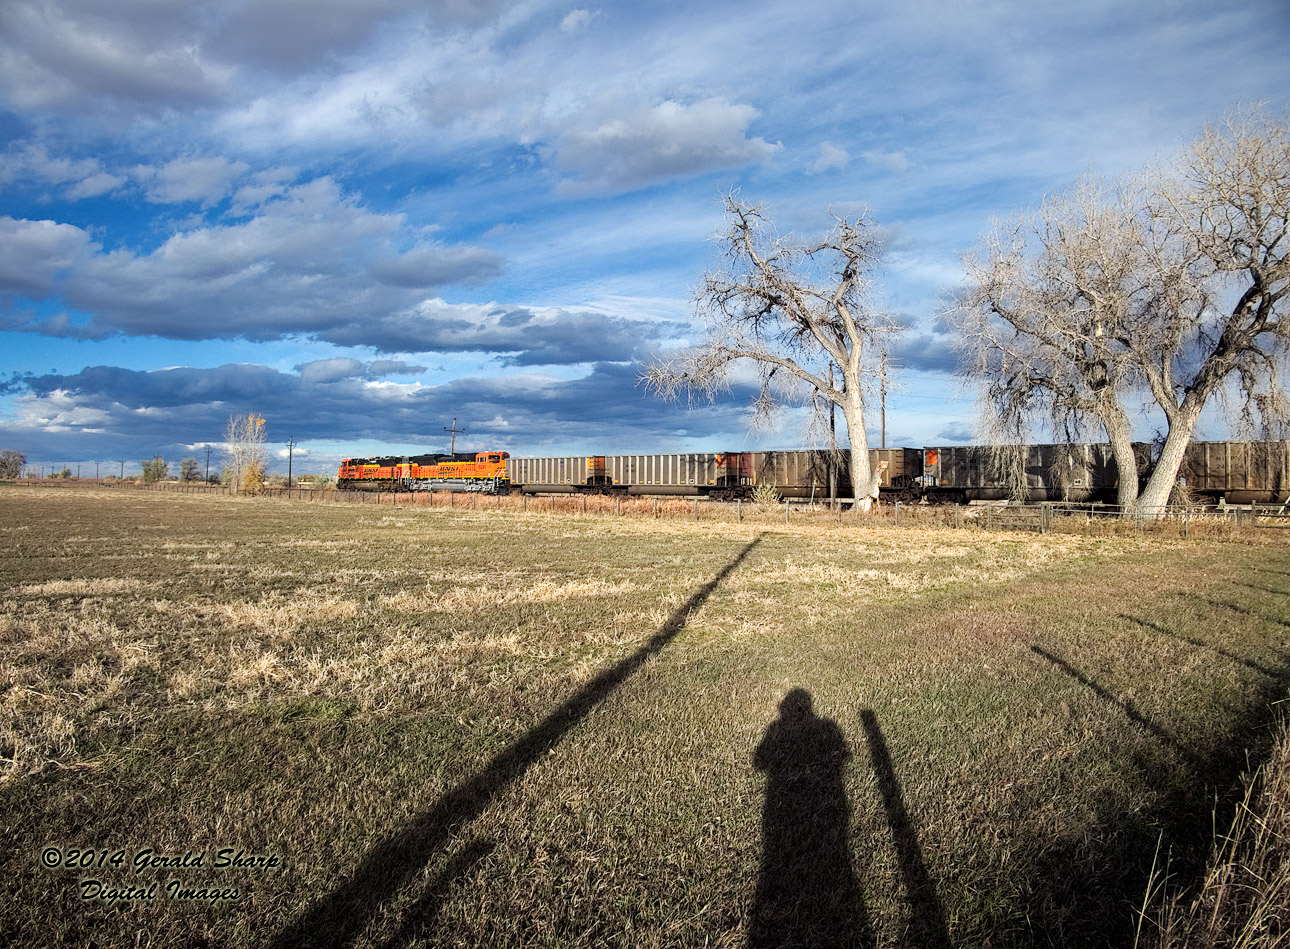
(864, 484)
(1165, 474)
(1126, 462)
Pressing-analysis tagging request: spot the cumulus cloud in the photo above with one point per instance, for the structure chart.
(95, 185)
(958, 432)
(80, 177)
(76, 53)
(525, 336)
(341, 369)
(289, 37)
(433, 265)
(830, 157)
(153, 56)
(887, 161)
(650, 144)
(35, 255)
(310, 260)
(137, 413)
(203, 180)
(925, 351)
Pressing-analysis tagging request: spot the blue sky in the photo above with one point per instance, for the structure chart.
(366, 218)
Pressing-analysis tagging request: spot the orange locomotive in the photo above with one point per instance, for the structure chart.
(484, 471)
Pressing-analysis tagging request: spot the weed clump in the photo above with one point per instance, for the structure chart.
(1244, 900)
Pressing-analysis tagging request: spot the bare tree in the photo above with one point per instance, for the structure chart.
(244, 439)
(1168, 289)
(799, 314)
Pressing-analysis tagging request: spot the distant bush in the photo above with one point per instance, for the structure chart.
(252, 478)
(11, 463)
(155, 470)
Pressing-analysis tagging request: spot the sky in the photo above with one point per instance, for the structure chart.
(369, 221)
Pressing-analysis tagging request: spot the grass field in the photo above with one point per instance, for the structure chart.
(506, 728)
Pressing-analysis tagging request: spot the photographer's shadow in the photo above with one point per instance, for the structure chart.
(807, 893)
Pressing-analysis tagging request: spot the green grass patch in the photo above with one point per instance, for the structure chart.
(515, 728)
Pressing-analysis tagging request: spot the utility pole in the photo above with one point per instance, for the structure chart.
(96, 471)
(882, 376)
(122, 460)
(833, 444)
(291, 447)
(78, 471)
(208, 464)
(452, 446)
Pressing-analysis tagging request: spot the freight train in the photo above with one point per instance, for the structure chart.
(1232, 472)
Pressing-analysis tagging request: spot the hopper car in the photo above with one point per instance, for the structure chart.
(1232, 472)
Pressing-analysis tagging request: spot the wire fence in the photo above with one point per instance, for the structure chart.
(1181, 520)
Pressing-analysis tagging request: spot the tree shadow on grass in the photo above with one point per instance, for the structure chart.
(1262, 589)
(1126, 707)
(1092, 906)
(1201, 644)
(337, 918)
(1244, 610)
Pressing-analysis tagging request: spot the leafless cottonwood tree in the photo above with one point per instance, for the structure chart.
(797, 312)
(1168, 289)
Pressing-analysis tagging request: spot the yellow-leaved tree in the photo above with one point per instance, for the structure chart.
(244, 439)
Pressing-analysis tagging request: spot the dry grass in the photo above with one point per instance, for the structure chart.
(1244, 900)
(492, 726)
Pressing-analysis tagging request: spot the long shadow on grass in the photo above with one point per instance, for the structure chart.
(337, 918)
(1201, 644)
(927, 926)
(1244, 610)
(807, 893)
(1124, 705)
(1262, 589)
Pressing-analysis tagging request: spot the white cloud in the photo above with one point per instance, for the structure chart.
(887, 161)
(73, 54)
(576, 20)
(310, 259)
(650, 144)
(203, 180)
(830, 157)
(95, 185)
(83, 177)
(35, 255)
